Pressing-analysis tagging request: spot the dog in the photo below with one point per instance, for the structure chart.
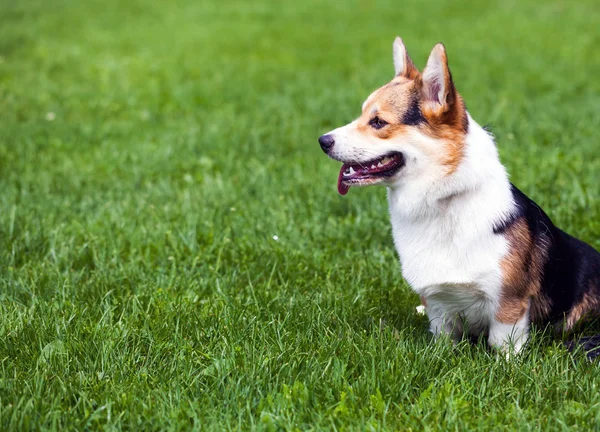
(484, 258)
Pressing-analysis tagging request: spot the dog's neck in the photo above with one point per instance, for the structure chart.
(479, 188)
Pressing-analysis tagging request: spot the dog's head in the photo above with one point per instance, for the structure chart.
(412, 128)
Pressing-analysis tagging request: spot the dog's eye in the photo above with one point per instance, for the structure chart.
(377, 123)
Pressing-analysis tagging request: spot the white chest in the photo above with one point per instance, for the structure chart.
(455, 251)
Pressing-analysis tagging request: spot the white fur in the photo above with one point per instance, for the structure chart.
(399, 56)
(443, 232)
(443, 228)
(509, 338)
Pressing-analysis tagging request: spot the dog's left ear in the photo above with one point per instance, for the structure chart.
(402, 62)
(438, 88)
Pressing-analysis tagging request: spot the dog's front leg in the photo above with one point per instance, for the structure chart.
(509, 333)
(442, 323)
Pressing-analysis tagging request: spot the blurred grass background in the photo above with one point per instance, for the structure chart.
(151, 151)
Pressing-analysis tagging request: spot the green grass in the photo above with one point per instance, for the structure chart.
(150, 151)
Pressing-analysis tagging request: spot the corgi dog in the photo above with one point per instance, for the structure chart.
(484, 258)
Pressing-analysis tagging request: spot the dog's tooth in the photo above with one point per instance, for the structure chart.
(373, 166)
(350, 171)
(379, 165)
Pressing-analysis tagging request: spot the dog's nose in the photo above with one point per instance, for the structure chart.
(326, 142)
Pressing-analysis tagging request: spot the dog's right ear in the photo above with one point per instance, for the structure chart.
(402, 62)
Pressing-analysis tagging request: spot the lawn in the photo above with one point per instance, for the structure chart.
(173, 251)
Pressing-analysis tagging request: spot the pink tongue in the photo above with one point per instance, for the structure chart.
(342, 188)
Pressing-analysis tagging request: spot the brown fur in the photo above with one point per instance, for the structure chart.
(447, 122)
(389, 103)
(521, 273)
(588, 305)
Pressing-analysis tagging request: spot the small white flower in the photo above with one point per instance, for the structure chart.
(420, 310)
(275, 238)
(50, 116)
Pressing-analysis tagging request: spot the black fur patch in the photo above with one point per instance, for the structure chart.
(571, 267)
(502, 226)
(589, 344)
(413, 116)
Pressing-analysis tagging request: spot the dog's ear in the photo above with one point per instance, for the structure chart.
(438, 89)
(402, 62)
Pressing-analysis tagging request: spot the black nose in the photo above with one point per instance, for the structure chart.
(326, 142)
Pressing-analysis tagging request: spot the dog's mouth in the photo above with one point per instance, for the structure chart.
(370, 172)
